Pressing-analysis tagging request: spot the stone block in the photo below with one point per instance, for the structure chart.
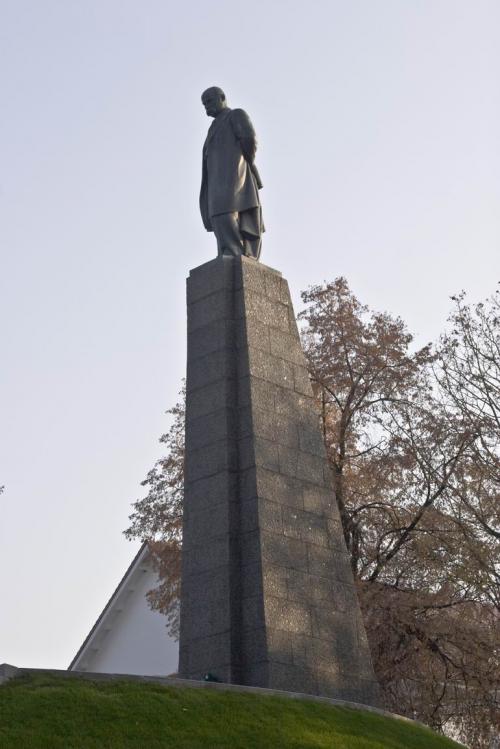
(285, 346)
(273, 283)
(258, 452)
(286, 431)
(292, 322)
(348, 687)
(257, 580)
(329, 563)
(208, 619)
(291, 404)
(247, 483)
(265, 424)
(283, 551)
(285, 296)
(280, 645)
(212, 427)
(211, 459)
(220, 487)
(257, 674)
(251, 579)
(270, 517)
(216, 396)
(310, 589)
(251, 305)
(334, 626)
(301, 465)
(327, 475)
(278, 487)
(344, 599)
(210, 278)
(301, 380)
(207, 522)
(250, 547)
(310, 468)
(266, 454)
(216, 306)
(210, 655)
(260, 513)
(253, 276)
(257, 422)
(249, 515)
(255, 336)
(319, 500)
(252, 613)
(212, 368)
(306, 526)
(335, 532)
(287, 616)
(215, 336)
(275, 581)
(292, 678)
(207, 586)
(301, 650)
(255, 392)
(205, 557)
(254, 645)
(271, 369)
(311, 440)
(288, 461)
(351, 605)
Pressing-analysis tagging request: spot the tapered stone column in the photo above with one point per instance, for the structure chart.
(268, 597)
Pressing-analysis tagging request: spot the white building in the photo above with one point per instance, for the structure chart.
(128, 637)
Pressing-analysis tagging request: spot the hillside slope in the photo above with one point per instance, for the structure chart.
(48, 712)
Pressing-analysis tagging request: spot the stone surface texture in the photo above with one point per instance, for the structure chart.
(268, 598)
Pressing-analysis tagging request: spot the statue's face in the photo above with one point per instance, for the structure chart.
(213, 102)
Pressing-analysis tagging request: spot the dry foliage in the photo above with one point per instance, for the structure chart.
(157, 519)
(414, 461)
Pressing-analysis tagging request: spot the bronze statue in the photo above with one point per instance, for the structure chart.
(229, 197)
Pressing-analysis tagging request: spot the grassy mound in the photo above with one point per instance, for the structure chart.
(51, 712)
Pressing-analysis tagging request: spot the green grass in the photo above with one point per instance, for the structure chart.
(49, 712)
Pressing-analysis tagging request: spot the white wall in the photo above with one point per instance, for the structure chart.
(131, 639)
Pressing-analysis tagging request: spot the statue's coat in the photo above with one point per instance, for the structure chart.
(229, 183)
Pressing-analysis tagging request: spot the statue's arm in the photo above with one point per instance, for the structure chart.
(245, 133)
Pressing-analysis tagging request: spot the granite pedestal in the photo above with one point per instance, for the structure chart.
(268, 597)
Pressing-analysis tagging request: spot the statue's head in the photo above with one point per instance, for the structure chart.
(214, 101)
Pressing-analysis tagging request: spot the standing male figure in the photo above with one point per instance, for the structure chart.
(229, 197)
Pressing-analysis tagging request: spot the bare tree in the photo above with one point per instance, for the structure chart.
(469, 375)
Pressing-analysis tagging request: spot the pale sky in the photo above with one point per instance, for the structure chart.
(378, 126)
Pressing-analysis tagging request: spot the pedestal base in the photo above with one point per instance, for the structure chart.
(268, 597)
